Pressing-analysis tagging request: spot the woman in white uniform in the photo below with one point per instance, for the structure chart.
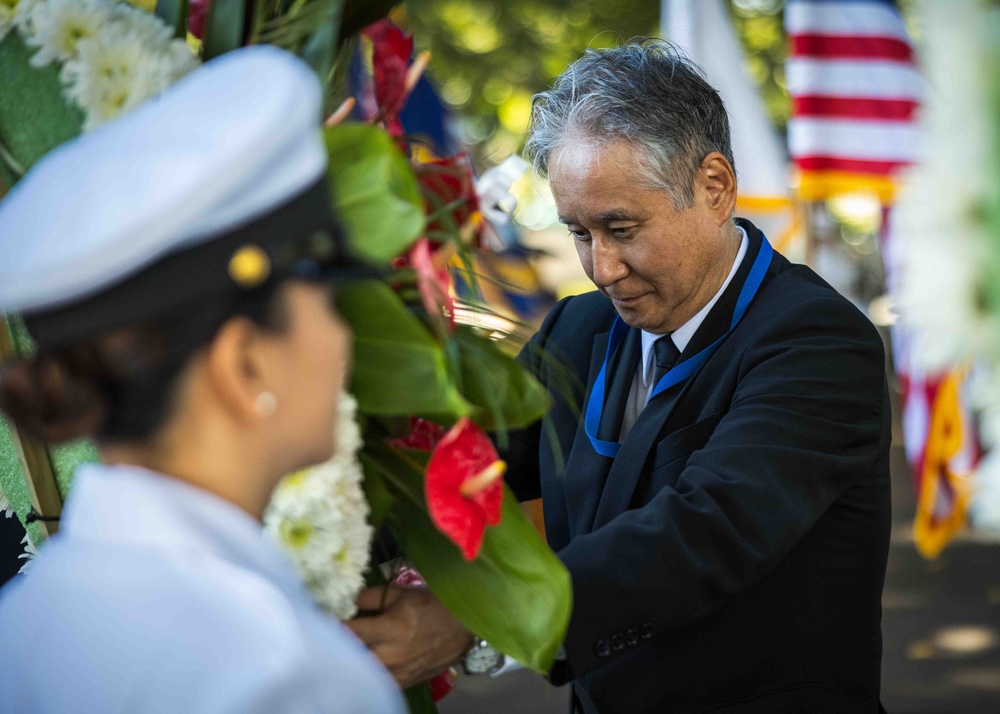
(174, 268)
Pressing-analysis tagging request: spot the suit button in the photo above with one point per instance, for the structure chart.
(618, 643)
(632, 638)
(603, 648)
(647, 631)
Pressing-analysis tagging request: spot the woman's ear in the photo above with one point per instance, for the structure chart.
(234, 368)
(718, 180)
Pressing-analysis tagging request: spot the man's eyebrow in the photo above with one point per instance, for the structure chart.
(615, 214)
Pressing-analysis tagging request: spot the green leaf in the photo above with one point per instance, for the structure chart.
(321, 49)
(398, 367)
(377, 494)
(35, 117)
(175, 14)
(225, 27)
(374, 191)
(507, 395)
(419, 699)
(516, 594)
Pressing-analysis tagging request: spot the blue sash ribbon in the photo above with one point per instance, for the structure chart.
(681, 371)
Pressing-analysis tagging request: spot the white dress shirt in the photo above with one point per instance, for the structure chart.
(642, 383)
(156, 596)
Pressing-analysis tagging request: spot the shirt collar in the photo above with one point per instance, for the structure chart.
(132, 506)
(683, 334)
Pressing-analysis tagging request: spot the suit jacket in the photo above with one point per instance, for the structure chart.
(731, 557)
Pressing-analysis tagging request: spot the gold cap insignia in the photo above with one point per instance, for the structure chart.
(249, 267)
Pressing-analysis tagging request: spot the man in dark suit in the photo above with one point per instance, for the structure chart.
(723, 504)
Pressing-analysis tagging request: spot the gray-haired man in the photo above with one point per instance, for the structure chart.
(724, 505)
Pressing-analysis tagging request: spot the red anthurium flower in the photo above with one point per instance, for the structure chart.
(197, 12)
(441, 685)
(446, 181)
(464, 486)
(390, 64)
(424, 435)
(433, 280)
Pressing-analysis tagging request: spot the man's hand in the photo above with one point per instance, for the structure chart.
(414, 636)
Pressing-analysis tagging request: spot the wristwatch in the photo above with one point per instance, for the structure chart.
(482, 658)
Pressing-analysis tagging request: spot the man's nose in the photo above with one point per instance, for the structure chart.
(606, 264)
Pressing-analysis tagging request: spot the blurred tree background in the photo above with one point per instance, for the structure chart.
(491, 56)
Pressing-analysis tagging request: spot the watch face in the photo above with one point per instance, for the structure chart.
(482, 660)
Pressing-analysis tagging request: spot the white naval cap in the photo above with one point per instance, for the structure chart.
(231, 154)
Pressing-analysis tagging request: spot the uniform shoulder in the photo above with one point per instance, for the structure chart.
(128, 628)
(798, 294)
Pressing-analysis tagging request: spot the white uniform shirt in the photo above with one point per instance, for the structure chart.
(156, 596)
(642, 383)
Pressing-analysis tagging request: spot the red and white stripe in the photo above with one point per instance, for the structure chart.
(854, 85)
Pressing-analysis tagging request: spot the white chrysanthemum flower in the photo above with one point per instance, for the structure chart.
(181, 59)
(113, 56)
(59, 26)
(119, 69)
(28, 555)
(950, 259)
(8, 15)
(942, 298)
(23, 15)
(147, 25)
(319, 516)
(111, 74)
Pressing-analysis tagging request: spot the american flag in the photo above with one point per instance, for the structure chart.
(855, 91)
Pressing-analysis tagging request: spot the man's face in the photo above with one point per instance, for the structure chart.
(658, 265)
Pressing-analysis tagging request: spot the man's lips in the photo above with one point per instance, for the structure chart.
(627, 301)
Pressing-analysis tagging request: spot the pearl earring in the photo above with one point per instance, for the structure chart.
(265, 404)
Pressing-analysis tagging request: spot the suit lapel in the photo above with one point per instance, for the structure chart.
(585, 468)
(621, 374)
(628, 466)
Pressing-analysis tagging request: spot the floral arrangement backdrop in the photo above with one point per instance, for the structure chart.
(435, 381)
(949, 285)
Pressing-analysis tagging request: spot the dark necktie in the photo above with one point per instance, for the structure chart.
(665, 354)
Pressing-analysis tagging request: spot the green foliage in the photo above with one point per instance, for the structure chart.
(419, 699)
(175, 14)
(399, 369)
(506, 395)
(491, 56)
(761, 29)
(34, 116)
(380, 500)
(224, 27)
(375, 191)
(320, 50)
(309, 28)
(516, 594)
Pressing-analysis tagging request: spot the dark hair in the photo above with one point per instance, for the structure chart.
(645, 92)
(119, 386)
